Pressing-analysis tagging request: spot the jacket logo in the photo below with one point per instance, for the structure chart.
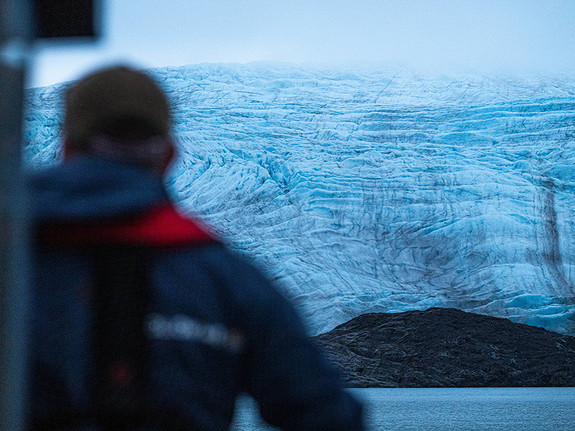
(183, 328)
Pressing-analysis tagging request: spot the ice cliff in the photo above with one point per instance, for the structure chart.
(362, 191)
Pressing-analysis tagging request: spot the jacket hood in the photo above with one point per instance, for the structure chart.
(89, 188)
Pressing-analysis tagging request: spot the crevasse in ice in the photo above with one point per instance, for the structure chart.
(362, 191)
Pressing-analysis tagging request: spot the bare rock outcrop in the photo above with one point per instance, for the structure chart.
(443, 347)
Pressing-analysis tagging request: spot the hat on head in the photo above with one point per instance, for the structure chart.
(111, 95)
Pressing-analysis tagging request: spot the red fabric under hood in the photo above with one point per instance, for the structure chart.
(162, 226)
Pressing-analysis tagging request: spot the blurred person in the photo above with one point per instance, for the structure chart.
(142, 318)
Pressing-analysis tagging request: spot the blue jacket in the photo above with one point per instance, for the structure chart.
(216, 326)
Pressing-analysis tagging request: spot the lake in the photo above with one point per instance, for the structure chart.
(461, 409)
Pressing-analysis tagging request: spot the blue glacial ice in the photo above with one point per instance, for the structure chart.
(362, 191)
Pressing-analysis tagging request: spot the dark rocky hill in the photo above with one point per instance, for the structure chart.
(444, 347)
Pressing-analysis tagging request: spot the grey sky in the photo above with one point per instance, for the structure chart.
(442, 35)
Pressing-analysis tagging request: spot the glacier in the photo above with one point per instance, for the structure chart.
(375, 191)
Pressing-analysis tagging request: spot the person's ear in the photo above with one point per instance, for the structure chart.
(170, 156)
(67, 150)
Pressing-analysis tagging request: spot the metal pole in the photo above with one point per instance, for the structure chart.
(15, 38)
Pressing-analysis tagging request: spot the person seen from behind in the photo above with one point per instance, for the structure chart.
(141, 318)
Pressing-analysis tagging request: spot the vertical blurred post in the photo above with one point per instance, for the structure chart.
(21, 22)
(15, 40)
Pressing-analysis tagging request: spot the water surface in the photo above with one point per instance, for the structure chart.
(461, 409)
